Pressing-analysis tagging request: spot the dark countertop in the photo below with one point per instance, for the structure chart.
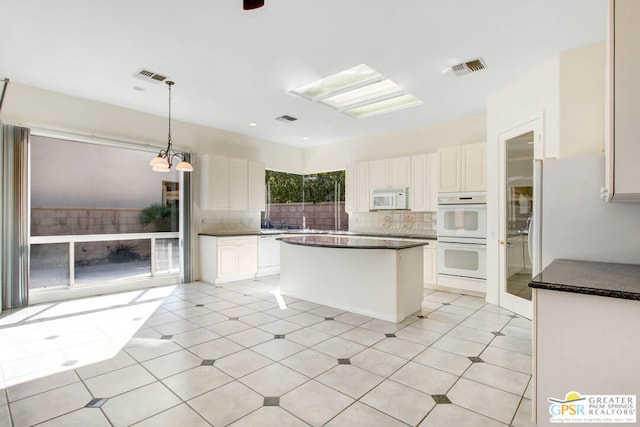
(351, 242)
(591, 278)
(271, 232)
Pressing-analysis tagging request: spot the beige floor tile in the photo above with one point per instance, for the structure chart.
(310, 362)
(227, 404)
(269, 416)
(513, 344)
(152, 349)
(280, 327)
(53, 403)
(277, 349)
(196, 381)
(274, 380)
(350, 380)
(418, 335)
(257, 319)
(378, 362)
(30, 388)
(485, 400)
(424, 378)
(471, 334)
(5, 417)
(451, 415)
(507, 359)
(505, 379)
(228, 327)
(308, 337)
(443, 360)
(306, 319)
(82, 417)
(120, 360)
(181, 415)
(215, 349)
(242, 363)
(399, 347)
(339, 348)
(117, 382)
(139, 404)
(250, 337)
(173, 363)
(459, 346)
(399, 401)
(194, 337)
(315, 403)
(523, 416)
(359, 414)
(363, 336)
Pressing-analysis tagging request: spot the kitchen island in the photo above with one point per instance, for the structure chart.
(586, 334)
(380, 278)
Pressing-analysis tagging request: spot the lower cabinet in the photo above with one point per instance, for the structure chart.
(225, 259)
(430, 265)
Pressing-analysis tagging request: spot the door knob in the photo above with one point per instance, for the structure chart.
(501, 242)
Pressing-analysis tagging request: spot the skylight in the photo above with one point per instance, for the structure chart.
(359, 92)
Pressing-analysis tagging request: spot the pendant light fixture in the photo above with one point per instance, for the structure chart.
(164, 160)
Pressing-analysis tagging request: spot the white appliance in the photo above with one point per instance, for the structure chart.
(388, 199)
(462, 241)
(268, 255)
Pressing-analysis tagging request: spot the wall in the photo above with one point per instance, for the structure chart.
(569, 90)
(425, 139)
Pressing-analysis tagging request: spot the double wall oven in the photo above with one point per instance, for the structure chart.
(462, 240)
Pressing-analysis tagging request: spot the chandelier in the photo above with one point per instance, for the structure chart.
(165, 158)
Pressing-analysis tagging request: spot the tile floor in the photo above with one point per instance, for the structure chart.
(229, 355)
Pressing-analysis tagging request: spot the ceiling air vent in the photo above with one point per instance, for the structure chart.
(286, 118)
(150, 76)
(469, 67)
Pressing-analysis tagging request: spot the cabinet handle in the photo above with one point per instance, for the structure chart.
(501, 242)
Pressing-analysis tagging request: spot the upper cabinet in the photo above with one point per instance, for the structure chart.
(623, 149)
(231, 184)
(423, 195)
(462, 168)
(390, 173)
(357, 187)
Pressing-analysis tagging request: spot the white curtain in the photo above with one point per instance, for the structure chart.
(14, 202)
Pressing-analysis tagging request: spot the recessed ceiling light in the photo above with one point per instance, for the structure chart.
(253, 124)
(386, 106)
(359, 92)
(348, 79)
(139, 88)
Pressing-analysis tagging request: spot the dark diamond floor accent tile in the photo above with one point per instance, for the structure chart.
(70, 363)
(390, 335)
(233, 318)
(137, 319)
(52, 337)
(514, 316)
(271, 401)
(498, 333)
(278, 337)
(207, 362)
(199, 305)
(329, 318)
(344, 362)
(475, 359)
(420, 316)
(446, 303)
(440, 398)
(96, 402)
(166, 337)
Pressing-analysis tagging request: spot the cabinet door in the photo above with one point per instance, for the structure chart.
(430, 265)
(362, 187)
(227, 260)
(214, 182)
(473, 167)
(432, 175)
(248, 258)
(379, 174)
(419, 185)
(351, 193)
(399, 172)
(238, 184)
(449, 181)
(256, 186)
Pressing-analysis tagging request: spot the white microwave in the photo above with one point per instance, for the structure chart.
(388, 199)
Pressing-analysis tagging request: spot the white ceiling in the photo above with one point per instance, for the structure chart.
(232, 67)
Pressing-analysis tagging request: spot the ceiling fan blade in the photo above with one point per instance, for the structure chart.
(252, 4)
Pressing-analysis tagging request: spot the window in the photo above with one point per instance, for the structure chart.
(314, 201)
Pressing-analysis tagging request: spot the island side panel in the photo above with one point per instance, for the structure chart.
(410, 281)
(362, 281)
(585, 343)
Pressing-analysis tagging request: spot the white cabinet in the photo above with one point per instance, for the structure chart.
(423, 192)
(256, 190)
(462, 168)
(228, 183)
(622, 148)
(224, 259)
(268, 254)
(357, 187)
(430, 265)
(390, 173)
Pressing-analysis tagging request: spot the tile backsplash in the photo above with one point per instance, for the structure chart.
(394, 222)
(217, 221)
